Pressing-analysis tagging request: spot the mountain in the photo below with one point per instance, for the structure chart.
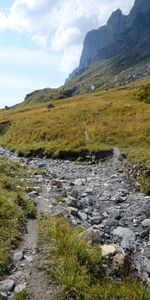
(122, 35)
(113, 55)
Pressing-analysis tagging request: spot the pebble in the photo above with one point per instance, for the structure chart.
(146, 223)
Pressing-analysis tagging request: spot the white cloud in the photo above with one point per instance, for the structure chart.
(24, 70)
(61, 24)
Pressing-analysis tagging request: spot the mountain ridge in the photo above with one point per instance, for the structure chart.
(120, 35)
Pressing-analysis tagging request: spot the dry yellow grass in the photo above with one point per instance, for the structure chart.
(96, 121)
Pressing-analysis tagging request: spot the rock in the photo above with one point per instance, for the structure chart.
(28, 258)
(50, 106)
(91, 234)
(74, 194)
(79, 182)
(127, 235)
(57, 183)
(74, 211)
(3, 296)
(19, 288)
(18, 256)
(82, 216)
(7, 285)
(17, 275)
(121, 264)
(108, 250)
(147, 265)
(96, 220)
(91, 200)
(118, 198)
(146, 223)
(89, 190)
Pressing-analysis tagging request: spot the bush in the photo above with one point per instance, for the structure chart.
(144, 93)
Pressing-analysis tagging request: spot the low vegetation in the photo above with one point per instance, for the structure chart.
(13, 211)
(77, 266)
(144, 93)
(22, 295)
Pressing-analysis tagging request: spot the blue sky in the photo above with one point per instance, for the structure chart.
(41, 41)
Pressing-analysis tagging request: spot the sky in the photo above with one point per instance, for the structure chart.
(41, 41)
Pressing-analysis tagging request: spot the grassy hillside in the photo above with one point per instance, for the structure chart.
(113, 73)
(94, 122)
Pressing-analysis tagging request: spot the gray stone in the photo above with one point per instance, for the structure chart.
(96, 220)
(89, 190)
(74, 194)
(74, 211)
(128, 236)
(147, 265)
(17, 275)
(28, 258)
(7, 285)
(82, 216)
(18, 256)
(146, 223)
(91, 234)
(3, 296)
(79, 182)
(92, 200)
(121, 264)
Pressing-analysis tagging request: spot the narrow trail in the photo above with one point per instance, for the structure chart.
(99, 195)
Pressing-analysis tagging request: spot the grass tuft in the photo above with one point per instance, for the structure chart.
(13, 212)
(77, 266)
(22, 295)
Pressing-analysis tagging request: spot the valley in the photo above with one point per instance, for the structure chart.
(75, 160)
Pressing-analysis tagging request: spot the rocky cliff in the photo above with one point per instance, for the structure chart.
(120, 36)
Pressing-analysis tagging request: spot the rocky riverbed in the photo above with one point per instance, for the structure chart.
(92, 195)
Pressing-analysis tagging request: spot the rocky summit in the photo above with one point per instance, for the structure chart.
(122, 35)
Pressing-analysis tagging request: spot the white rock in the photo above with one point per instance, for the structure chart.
(108, 250)
(19, 288)
(146, 223)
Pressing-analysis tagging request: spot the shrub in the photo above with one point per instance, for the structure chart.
(144, 93)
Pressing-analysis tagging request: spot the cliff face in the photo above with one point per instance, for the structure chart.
(121, 35)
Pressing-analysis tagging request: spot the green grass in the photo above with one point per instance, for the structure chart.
(12, 211)
(22, 296)
(28, 207)
(77, 266)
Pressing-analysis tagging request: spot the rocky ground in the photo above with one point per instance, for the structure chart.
(97, 196)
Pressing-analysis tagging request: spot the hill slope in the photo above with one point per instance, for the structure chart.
(92, 122)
